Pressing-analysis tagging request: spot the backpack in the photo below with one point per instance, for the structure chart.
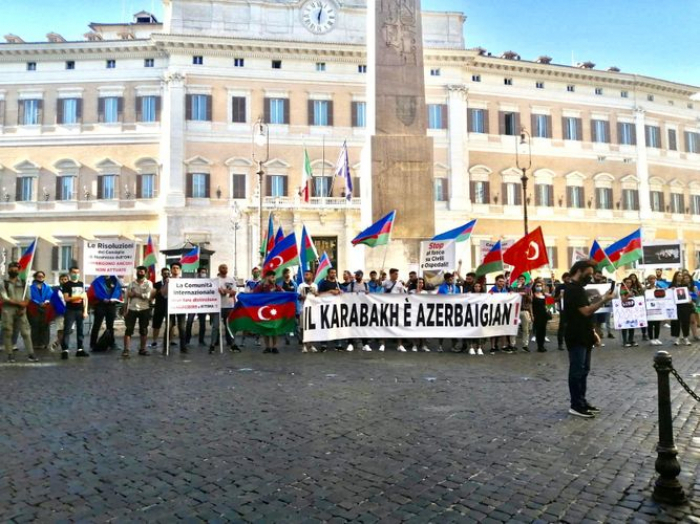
(105, 342)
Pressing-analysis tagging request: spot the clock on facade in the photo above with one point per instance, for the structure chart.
(319, 16)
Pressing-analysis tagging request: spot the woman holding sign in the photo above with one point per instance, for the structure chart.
(684, 308)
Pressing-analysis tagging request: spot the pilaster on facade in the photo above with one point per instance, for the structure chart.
(172, 145)
(459, 154)
(642, 165)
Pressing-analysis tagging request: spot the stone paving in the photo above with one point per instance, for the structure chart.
(339, 437)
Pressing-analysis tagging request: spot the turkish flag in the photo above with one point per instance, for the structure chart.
(527, 254)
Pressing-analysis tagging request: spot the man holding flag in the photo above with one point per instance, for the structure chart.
(14, 312)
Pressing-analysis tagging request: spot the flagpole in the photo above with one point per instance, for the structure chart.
(386, 249)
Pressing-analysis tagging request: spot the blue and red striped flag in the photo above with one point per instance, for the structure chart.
(458, 234)
(599, 258)
(25, 261)
(190, 261)
(378, 233)
(626, 250)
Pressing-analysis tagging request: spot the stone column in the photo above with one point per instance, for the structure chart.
(172, 145)
(458, 153)
(642, 165)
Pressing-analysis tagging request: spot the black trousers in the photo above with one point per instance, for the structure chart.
(202, 319)
(654, 329)
(561, 330)
(628, 336)
(103, 313)
(540, 326)
(682, 325)
(179, 321)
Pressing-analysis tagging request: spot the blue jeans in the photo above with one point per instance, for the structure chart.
(72, 316)
(579, 366)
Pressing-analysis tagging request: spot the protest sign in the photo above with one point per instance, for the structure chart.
(629, 313)
(352, 316)
(108, 257)
(193, 295)
(660, 304)
(595, 292)
(486, 245)
(681, 294)
(661, 254)
(438, 255)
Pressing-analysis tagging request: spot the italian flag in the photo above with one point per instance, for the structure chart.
(306, 178)
(267, 314)
(493, 261)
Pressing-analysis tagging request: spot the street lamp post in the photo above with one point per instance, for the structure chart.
(235, 224)
(261, 154)
(524, 161)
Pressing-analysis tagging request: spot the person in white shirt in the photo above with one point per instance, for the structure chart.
(227, 289)
(358, 286)
(306, 288)
(393, 285)
(138, 296)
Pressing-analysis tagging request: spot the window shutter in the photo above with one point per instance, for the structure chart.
(486, 121)
(579, 129)
(619, 132)
(606, 126)
(564, 129)
(40, 112)
(634, 136)
(487, 192)
(59, 111)
(268, 185)
(138, 108)
(139, 186)
(470, 120)
(501, 123)
(266, 110)
(583, 197)
(516, 124)
(445, 121)
(549, 126)
(569, 255)
(672, 145)
(285, 185)
(54, 258)
(207, 185)
(120, 109)
(188, 107)
(635, 198)
(59, 189)
(504, 193)
(330, 113)
(555, 257)
(533, 124)
(209, 99)
(101, 109)
(518, 195)
(472, 191)
(100, 187)
(20, 119)
(662, 201)
(353, 113)
(550, 195)
(188, 190)
(569, 195)
(356, 186)
(310, 107)
(285, 105)
(18, 189)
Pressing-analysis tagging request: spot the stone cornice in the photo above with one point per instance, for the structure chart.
(63, 50)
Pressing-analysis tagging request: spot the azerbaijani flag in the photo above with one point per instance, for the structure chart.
(493, 261)
(190, 261)
(598, 256)
(57, 305)
(307, 178)
(99, 290)
(267, 314)
(280, 235)
(458, 234)
(308, 250)
(284, 254)
(378, 233)
(150, 259)
(626, 250)
(25, 261)
(324, 264)
(270, 243)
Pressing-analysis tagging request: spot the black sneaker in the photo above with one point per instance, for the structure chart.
(267, 350)
(323, 349)
(153, 345)
(635, 344)
(144, 353)
(610, 335)
(583, 413)
(82, 353)
(493, 351)
(33, 358)
(11, 358)
(212, 349)
(184, 350)
(592, 409)
(526, 349)
(234, 349)
(274, 350)
(64, 354)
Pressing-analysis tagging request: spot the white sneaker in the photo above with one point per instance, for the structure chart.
(425, 349)
(546, 339)
(533, 339)
(439, 349)
(602, 344)
(480, 351)
(381, 348)
(403, 349)
(686, 342)
(304, 350)
(366, 348)
(414, 348)
(471, 351)
(349, 348)
(313, 349)
(677, 342)
(667, 326)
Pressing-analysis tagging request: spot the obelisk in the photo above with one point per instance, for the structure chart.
(401, 152)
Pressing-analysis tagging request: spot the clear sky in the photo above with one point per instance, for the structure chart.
(647, 37)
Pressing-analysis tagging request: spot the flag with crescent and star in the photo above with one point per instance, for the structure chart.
(267, 314)
(284, 254)
(626, 250)
(528, 253)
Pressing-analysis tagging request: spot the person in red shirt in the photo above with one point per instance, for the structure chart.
(268, 285)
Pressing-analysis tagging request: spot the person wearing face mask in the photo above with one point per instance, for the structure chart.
(540, 315)
(14, 313)
(138, 296)
(76, 312)
(580, 335)
(40, 296)
(174, 320)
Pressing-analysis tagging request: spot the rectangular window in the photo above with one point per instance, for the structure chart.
(148, 62)
(238, 109)
(277, 185)
(30, 112)
(321, 186)
(677, 203)
(437, 116)
(625, 94)
(478, 120)
(321, 113)
(200, 185)
(509, 123)
(24, 189)
(630, 200)
(108, 191)
(672, 140)
(110, 109)
(65, 188)
(277, 111)
(359, 114)
(539, 85)
(599, 130)
(541, 126)
(199, 108)
(598, 90)
(480, 192)
(695, 204)
(625, 134)
(512, 194)
(544, 195)
(362, 68)
(320, 66)
(476, 78)
(146, 186)
(692, 142)
(571, 88)
(238, 185)
(31, 66)
(653, 136)
(65, 260)
(277, 64)
(440, 186)
(70, 64)
(508, 81)
(650, 98)
(575, 197)
(149, 110)
(68, 110)
(572, 128)
(238, 62)
(111, 64)
(197, 60)
(604, 198)
(435, 72)
(656, 200)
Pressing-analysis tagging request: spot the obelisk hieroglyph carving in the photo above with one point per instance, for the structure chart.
(401, 151)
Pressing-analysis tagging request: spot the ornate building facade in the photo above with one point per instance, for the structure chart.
(146, 128)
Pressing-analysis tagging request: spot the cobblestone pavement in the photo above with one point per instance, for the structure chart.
(336, 437)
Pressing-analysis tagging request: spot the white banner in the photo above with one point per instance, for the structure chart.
(661, 304)
(381, 316)
(629, 313)
(438, 255)
(193, 295)
(108, 257)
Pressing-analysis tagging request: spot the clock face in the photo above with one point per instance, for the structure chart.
(319, 16)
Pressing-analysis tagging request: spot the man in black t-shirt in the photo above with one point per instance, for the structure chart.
(160, 306)
(580, 335)
(76, 312)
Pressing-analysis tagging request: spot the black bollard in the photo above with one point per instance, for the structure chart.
(667, 489)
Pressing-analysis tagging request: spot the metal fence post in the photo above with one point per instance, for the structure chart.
(667, 489)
